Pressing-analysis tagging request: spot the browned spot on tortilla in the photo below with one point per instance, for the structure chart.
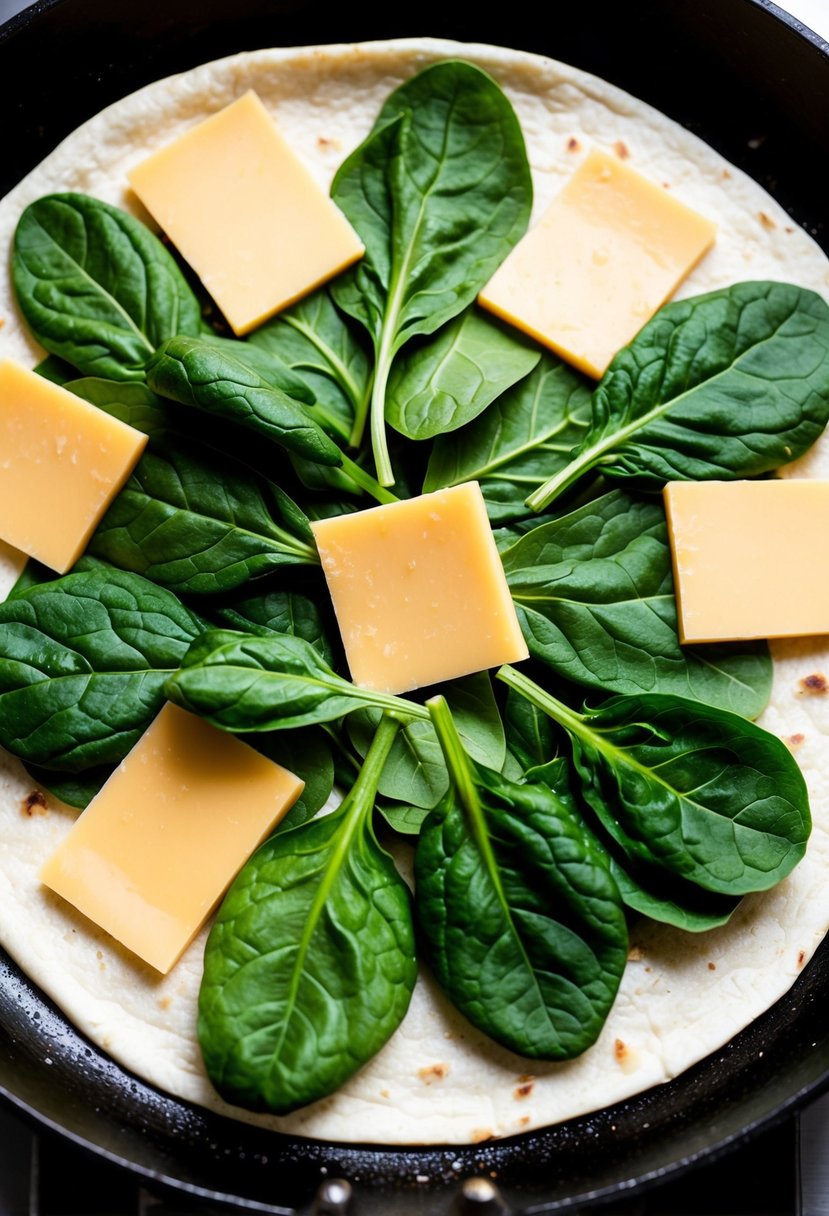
(726, 174)
(433, 1072)
(815, 685)
(666, 185)
(2, 322)
(649, 969)
(620, 1050)
(793, 742)
(801, 957)
(635, 954)
(766, 220)
(573, 144)
(523, 1121)
(788, 230)
(479, 1134)
(384, 1093)
(324, 141)
(165, 1002)
(523, 1091)
(712, 966)
(621, 149)
(34, 803)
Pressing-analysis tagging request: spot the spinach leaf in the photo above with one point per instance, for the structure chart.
(700, 792)
(129, 401)
(83, 662)
(594, 593)
(415, 771)
(529, 732)
(194, 372)
(438, 384)
(518, 440)
(199, 522)
(266, 364)
(97, 288)
(407, 820)
(729, 384)
(279, 611)
(439, 193)
(245, 683)
(645, 889)
(310, 965)
(521, 921)
(313, 339)
(75, 789)
(56, 370)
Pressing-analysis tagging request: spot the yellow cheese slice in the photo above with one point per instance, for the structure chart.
(744, 558)
(608, 252)
(62, 461)
(419, 590)
(244, 211)
(156, 849)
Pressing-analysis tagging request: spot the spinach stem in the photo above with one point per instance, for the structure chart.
(379, 445)
(361, 414)
(545, 701)
(364, 790)
(366, 482)
(561, 481)
(454, 753)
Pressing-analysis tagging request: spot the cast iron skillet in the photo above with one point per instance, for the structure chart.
(749, 81)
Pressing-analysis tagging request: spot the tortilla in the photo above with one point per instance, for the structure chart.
(682, 996)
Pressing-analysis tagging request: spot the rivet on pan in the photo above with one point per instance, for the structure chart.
(333, 1198)
(481, 1197)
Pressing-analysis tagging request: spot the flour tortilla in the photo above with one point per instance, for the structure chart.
(682, 996)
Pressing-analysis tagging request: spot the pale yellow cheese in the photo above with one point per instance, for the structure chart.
(244, 211)
(608, 252)
(62, 461)
(419, 590)
(746, 557)
(156, 849)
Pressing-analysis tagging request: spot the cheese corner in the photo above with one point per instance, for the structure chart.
(244, 211)
(62, 461)
(419, 590)
(156, 849)
(611, 248)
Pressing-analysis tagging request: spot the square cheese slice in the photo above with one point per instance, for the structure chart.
(245, 212)
(419, 590)
(747, 558)
(62, 461)
(608, 252)
(156, 849)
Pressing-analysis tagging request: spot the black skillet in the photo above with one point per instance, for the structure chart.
(747, 79)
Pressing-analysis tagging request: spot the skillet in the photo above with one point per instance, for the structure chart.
(743, 77)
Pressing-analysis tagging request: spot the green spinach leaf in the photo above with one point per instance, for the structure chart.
(245, 683)
(517, 441)
(439, 193)
(729, 384)
(521, 921)
(97, 288)
(279, 611)
(197, 521)
(697, 791)
(438, 384)
(83, 662)
(594, 593)
(310, 965)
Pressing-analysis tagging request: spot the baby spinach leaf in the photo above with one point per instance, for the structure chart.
(75, 789)
(245, 683)
(729, 384)
(199, 522)
(439, 192)
(310, 965)
(646, 889)
(56, 370)
(697, 791)
(407, 820)
(97, 288)
(521, 921)
(415, 771)
(266, 364)
(595, 597)
(308, 754)
(129, 401)
(438, 384)
(529, 732)
(517, 441)
(279, 611)
(83, 662)
(195, 372)
(314, 340)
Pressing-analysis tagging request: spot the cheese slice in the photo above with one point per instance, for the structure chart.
(419, 590)
(155, 850)
(744, 558)
(608, 252)
(244, 211)
(62, 461)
